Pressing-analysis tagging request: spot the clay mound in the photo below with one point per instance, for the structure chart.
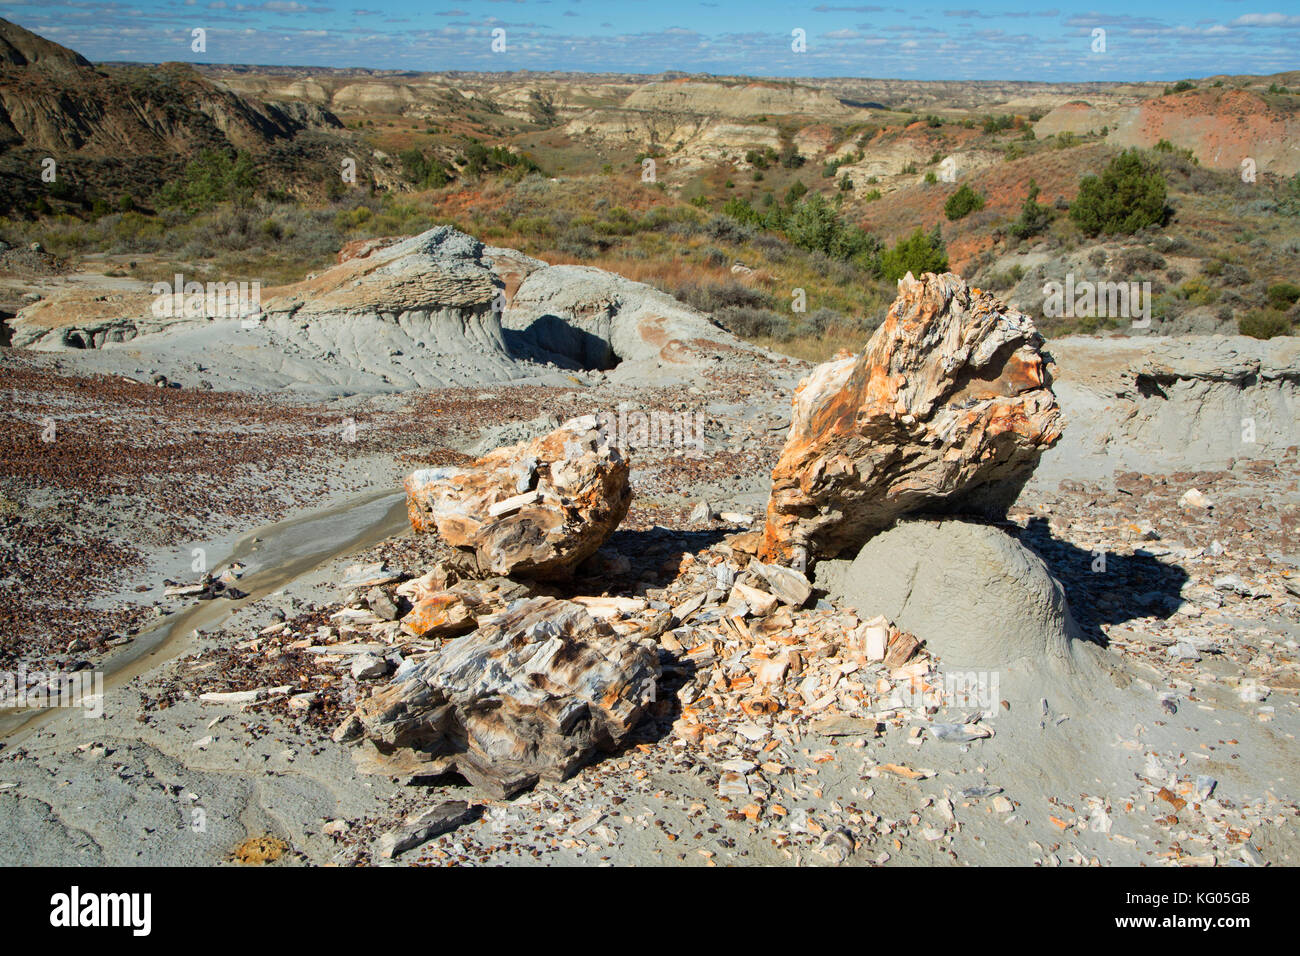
(976, 596)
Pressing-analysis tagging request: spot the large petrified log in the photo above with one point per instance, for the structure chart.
(532, 694)
(946, 410)
(535, 509)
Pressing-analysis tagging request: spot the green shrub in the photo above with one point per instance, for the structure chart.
(214, 177)
(1198, 292)
(1264, 324)
(811, 224)
(1129, 195)
(995, 124)
(1283, 295)
(1033, 216)
(1290, 203)
(920, 252)
(814, 225)
(962, 203)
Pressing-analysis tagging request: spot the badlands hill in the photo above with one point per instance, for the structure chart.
(736, 99)
(124, 130)
(1221, 126)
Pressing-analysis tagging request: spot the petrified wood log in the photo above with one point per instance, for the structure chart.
(535, 509)
(533, 693)
(947, 409)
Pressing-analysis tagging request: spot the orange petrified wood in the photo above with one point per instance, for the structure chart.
(536, 509)
(947, 409)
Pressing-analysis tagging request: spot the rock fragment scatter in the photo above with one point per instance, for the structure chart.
(626, 658)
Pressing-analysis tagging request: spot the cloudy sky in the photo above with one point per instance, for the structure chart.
(999, 39)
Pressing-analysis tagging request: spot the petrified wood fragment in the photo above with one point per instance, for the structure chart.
(946, 410)
(533, 693)
(536, 509)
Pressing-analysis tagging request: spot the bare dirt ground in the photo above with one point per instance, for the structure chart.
(1174, 745)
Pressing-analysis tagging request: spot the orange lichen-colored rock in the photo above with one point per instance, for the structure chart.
(947, 409)
(439, 614)
(536, 509)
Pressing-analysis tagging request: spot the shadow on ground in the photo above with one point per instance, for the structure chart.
(1106, 588)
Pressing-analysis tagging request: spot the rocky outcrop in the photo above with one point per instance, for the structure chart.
(397, 313)
(129, 130)
(584, 317)
(426, 308)
(1160, 404)
(535, 509)
(53, 98)
(435, 272)
(19, 47)
(947, 409)
(533, 694)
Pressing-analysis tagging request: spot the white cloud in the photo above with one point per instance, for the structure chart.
(1266, 20)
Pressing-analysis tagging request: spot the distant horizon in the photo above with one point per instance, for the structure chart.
(691, 74)
(1002, 41)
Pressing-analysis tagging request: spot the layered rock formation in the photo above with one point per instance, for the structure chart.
(756, 98)
(535, 509)
(532, 694)
(1157, 403)
(947, 409)
(436, 271)
(584, 317)
(1221, 126)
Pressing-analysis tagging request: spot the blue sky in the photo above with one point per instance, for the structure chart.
(999, 39)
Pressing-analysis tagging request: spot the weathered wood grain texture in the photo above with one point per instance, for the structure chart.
(947, 409)
(534, 693)
(536, 509)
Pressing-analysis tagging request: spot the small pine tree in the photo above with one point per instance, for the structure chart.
(1033, 217)
(1129, 195)
(962, 203)
(917, 253)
